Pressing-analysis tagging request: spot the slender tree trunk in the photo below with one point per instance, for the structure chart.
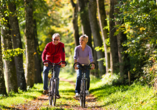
(113, 41)
(103, 23)
(75, 24)
(38, 69)
(85, 20)
(10, 70)
(16, 38)
(123, 58)
(96, 33)
(30, 73)
(2, 81)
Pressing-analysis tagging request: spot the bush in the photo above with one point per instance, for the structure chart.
(109, 78)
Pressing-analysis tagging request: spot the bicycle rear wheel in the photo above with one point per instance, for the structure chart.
(82, 93)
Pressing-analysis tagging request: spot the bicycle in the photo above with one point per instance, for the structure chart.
(52, 88)
(83, 87)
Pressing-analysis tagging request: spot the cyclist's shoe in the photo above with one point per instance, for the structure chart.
(87, 92)
(45, 92)
(58, 96)
(77, 95)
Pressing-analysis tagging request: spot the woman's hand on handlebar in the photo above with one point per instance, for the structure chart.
(76, 67)
(92, 67)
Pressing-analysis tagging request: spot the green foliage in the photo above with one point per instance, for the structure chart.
(140, 25)
(56, 20)
(108, 79)
(7, 54)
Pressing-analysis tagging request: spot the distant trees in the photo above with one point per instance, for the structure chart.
(123, 32)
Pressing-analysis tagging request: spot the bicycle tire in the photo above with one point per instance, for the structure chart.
(50, 92)
(55, 92)
(83, 93)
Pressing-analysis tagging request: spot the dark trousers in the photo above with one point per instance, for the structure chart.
(45, 76)
(78, 80)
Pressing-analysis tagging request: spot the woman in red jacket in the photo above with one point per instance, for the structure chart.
(54, 52)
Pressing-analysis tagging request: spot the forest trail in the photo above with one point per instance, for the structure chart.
(37, 103)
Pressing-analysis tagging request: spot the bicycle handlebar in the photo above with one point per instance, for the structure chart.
(84, 64)
(54, 63)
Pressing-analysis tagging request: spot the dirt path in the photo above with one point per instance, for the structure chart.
(36, 104)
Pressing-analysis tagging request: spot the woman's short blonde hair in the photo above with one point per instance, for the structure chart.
(55, 35)
(84, 36)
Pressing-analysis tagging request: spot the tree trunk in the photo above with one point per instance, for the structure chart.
(96, 33)
(103, 23)
(75, 24)
(113, 41)
(123, 58)
(16, 38)
(38, 69)
(10, 70)
(85, 20)
(30, 73)
(2, 82)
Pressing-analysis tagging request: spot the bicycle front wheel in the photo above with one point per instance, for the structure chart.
(50, 92)
(55, 92)
(82, 93)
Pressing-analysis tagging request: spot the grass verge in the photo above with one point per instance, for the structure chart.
(21, 97)
(124, 97)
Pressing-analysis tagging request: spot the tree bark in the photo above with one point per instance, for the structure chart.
(113, 41)
(75, 24)
(30, 73)
(2, 81)
(103, 23)
(82, 5)
(123, 58)
(10, 70)
(38, 69)
(96, 33)
(16, 38)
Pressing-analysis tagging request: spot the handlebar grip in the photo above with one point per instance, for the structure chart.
(81, 64)
(47, 61)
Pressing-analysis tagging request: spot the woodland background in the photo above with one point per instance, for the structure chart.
(122, 34)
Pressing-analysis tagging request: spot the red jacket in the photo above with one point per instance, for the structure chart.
(54, 53)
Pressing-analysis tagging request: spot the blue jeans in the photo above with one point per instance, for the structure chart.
(78, 80)
(45, 76)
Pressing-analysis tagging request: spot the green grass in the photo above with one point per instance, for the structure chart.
(134, 97)
(21, 97)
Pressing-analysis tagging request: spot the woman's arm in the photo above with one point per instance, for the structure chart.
(90, 55)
